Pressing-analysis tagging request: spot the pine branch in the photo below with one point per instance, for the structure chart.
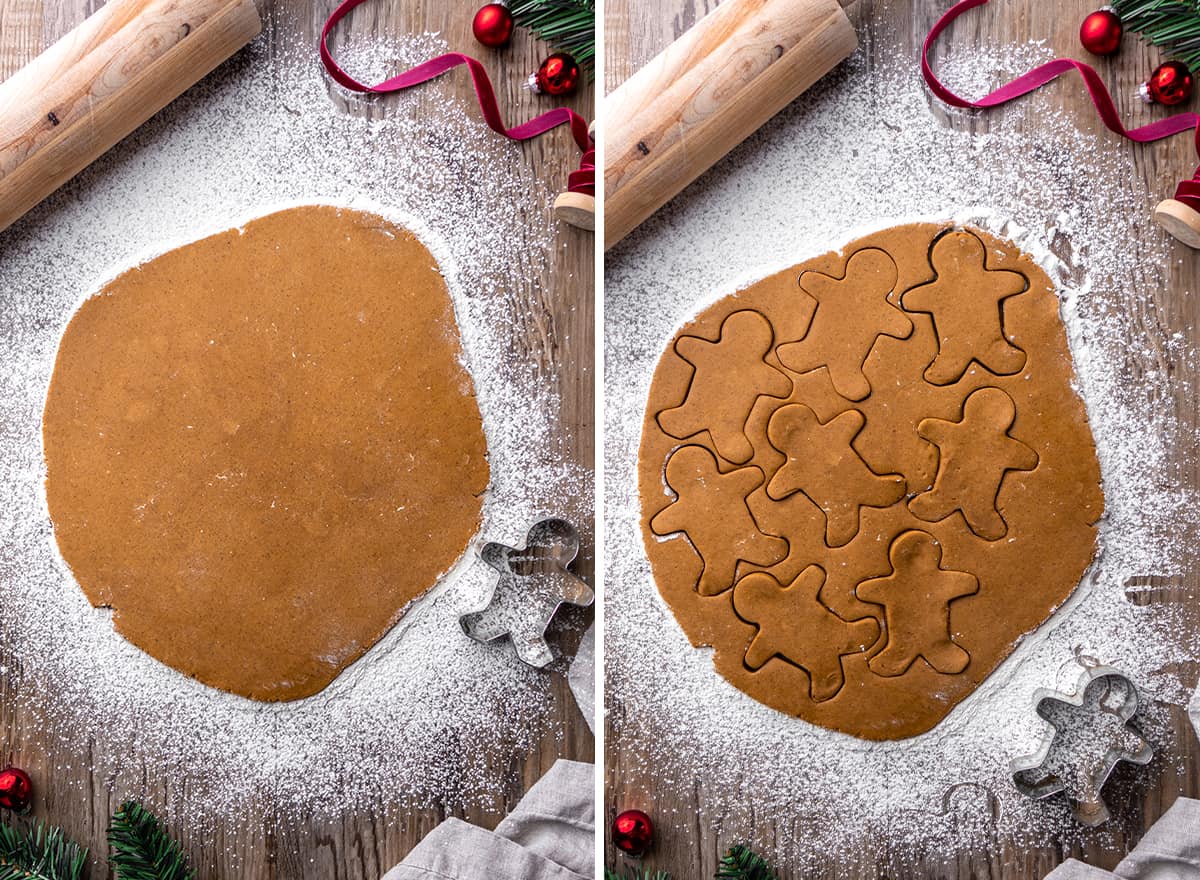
(141, 849)
(1173, 25)
(567, 25)
(741, 863)
(39, 853)
(610, 873)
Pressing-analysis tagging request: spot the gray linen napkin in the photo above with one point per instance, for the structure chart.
(1194, 711)
(550, 835)
(1169, 851)
(582, 677)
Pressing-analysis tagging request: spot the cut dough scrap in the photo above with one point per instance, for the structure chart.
(1048, 513)
(263, 445)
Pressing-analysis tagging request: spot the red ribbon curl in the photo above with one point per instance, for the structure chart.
(1188, 191)
(583, 180)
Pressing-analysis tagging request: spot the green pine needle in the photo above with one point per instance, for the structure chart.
(611, 873)
(1173, 25)
(39, 853)
(567, 25)
(141, 849)
(741, 863)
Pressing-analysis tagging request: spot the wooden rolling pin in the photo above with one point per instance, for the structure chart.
(101, 81)
(707, 92)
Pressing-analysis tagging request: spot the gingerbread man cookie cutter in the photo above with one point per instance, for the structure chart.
(533, 584)
(1090, 734)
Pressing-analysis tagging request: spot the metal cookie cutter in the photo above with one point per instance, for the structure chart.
(1090, 734)
(534, 582)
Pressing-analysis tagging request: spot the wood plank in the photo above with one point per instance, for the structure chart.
(20, 34)
(555, 305)
(691, 834)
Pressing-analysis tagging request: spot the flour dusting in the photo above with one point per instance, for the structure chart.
(862, 151)
(428, 716)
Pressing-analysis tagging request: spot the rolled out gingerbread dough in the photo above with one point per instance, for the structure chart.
(261, 446)
(865, 478)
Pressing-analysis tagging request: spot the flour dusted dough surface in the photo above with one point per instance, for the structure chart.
(864, 478)
(261, 446)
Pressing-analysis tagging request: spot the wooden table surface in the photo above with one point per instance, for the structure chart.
(556, 331)
(635, 31)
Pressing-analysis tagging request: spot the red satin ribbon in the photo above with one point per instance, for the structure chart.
(1188, 190)
(582, 181)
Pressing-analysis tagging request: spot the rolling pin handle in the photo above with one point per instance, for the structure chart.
(579, 208)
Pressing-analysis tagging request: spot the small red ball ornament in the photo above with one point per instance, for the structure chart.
(1100, 32)
(558, 75)
(16, 791)
(633, 832)
(1170, 84)
(493, 25)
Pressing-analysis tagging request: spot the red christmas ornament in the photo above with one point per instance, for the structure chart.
(1170, 84)
(633, 832)
(558, 75)
(1100, 32)
(16, 791)
(493, 25)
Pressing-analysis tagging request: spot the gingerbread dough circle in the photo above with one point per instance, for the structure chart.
(261, 446)
(865, 478)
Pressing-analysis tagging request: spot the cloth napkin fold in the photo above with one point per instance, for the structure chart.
(550, 835)
(1194, 711)
(582, 677)
(1169, 851)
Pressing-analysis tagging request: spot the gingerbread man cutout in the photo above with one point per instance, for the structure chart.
(916, 599)
(840, 486)
(974, 455)
(852, 312)
(966, 301)
(710, 508)
(729, 376)
(795, 624)
(533, 583)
